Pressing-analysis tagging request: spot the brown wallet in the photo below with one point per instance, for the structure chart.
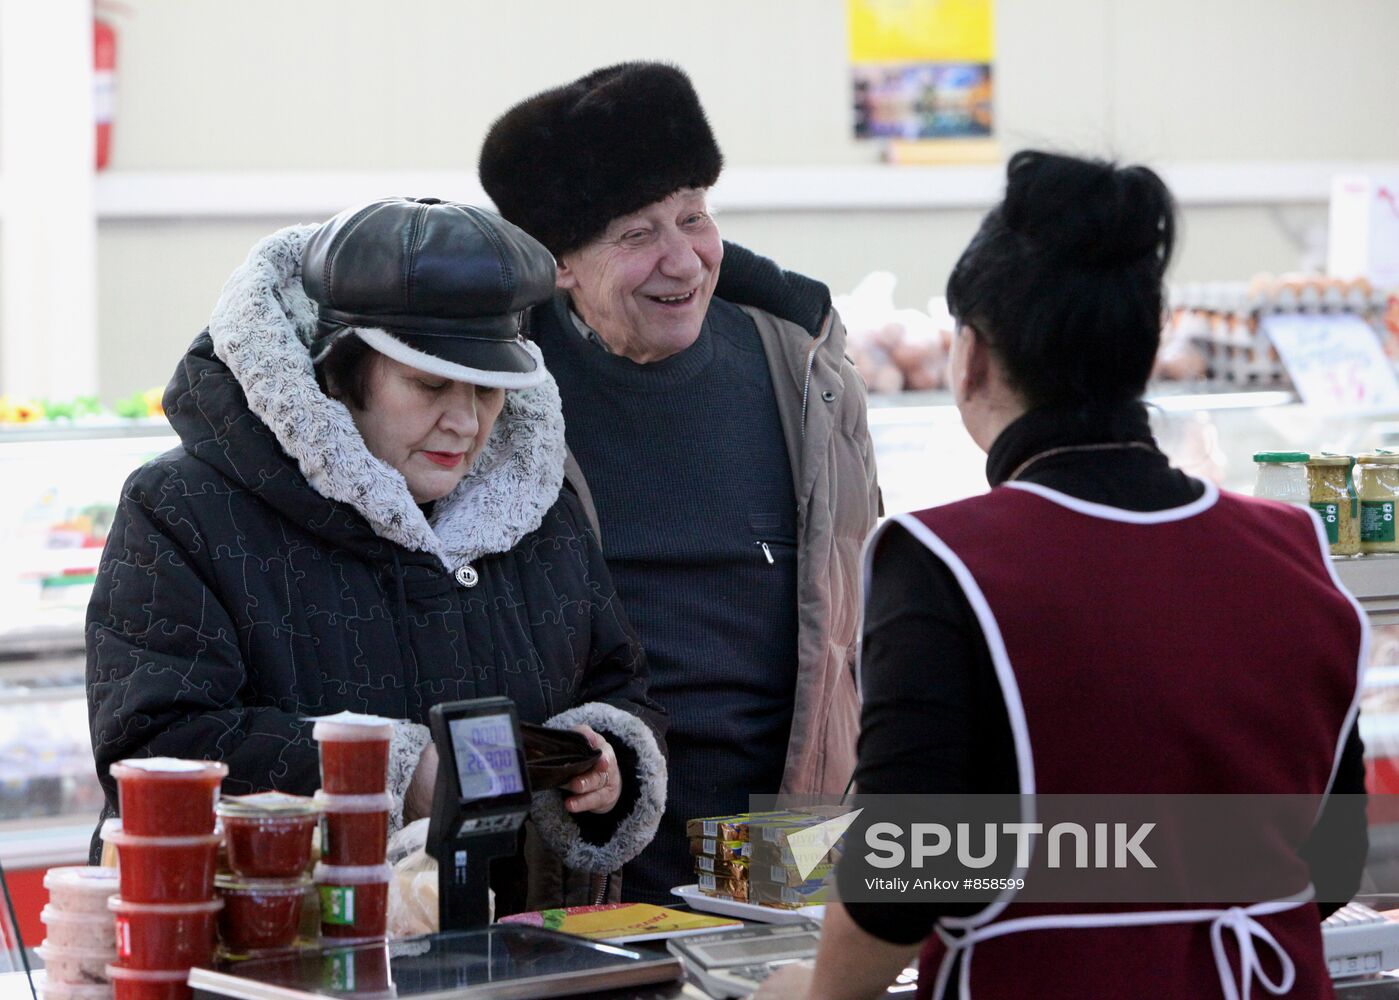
(553, 756)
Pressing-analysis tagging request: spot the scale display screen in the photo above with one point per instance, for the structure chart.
(763, 949)
(488, 759)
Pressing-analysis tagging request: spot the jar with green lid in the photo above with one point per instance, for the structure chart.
(1282, 475)
(1377, 483)
(1329, 482)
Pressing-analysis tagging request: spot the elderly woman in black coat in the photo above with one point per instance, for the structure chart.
(367, 512)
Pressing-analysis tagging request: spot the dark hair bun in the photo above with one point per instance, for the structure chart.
(1066, 278)
(1088, 212)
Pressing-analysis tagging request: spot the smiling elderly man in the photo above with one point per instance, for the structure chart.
(721, 435)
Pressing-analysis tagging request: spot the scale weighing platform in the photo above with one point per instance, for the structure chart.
(500, 962)
(735, 963)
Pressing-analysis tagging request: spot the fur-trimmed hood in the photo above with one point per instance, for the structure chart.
(259, 332)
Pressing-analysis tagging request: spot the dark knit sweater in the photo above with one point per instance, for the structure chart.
(689, 471)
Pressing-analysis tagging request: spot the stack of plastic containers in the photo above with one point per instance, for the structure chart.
(167, 853)
(269, 849)
(79, 945)
(352, 878)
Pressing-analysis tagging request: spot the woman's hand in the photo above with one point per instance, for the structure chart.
(596, 790)
(417, 800)
(791, 982)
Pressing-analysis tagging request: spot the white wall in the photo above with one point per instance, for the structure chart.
(338, 85)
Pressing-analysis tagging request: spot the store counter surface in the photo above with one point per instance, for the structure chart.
(14, 987)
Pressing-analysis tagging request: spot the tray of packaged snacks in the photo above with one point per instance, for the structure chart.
(729, 907)
(755, 866)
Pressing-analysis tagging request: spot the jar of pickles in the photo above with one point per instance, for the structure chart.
(1282, 475)
(1377, 483)
(1329, 485)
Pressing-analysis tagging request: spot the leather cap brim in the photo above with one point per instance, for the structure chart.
(503, 364)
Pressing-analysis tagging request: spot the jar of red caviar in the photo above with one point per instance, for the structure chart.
(268, 835)
(165, 797)
(354, 753)
(163, 869)
(164, 935)
(354, 900)
(149, 984)
(260, 914)
(355, 828)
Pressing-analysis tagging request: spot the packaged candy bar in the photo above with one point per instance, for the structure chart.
(732, 888)
(788, 875)
(728, 828)
(790, 897)
(725, 850)
(732, 868)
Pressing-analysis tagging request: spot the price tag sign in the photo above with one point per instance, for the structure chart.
(1335, 362)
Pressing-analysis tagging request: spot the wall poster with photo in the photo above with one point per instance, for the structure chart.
(922, 69)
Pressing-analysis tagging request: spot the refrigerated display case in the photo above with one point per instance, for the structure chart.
(65, 481)
(62, 485)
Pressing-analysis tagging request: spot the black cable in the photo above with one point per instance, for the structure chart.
(19, 938)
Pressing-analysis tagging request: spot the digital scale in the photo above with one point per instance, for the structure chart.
(735, 963)
(480, 802)
(1359, 941)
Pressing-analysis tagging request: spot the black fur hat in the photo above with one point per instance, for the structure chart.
(564, 163)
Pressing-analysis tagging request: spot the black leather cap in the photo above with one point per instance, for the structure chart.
(450, 283)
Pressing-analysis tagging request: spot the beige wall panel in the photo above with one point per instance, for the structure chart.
(320, 84)
(1051, 75)
(323, 84)
(1255, 79)
(157, 285)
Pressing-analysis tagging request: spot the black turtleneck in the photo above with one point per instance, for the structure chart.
(954, 736)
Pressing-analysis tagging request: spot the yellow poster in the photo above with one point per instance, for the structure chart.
(922, 69)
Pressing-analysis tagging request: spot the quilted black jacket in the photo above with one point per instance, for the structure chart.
(234, 600)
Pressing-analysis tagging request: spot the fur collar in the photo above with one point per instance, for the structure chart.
(260, 330)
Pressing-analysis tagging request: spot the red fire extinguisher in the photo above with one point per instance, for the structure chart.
(104, 74)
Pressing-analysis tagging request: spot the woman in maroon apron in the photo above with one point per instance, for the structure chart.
(1099, 622)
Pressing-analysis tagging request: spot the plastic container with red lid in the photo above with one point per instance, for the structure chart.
(269, 834)
(164, 869)
(75, 967)
(167, 797)
(354, 752)
(354, 900)
(164, 935)
(76, 931)
(260, 914)
(150, 984)
(81, 888)
(355, 831)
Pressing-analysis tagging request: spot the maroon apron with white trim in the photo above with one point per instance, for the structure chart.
(1204, 649)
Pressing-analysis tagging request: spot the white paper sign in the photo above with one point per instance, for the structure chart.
(1364, 236)
(1335, 362)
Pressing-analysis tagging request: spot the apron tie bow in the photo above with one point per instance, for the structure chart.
(1248, 935)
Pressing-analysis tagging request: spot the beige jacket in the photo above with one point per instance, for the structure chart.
(823, 406)
(823, 409)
